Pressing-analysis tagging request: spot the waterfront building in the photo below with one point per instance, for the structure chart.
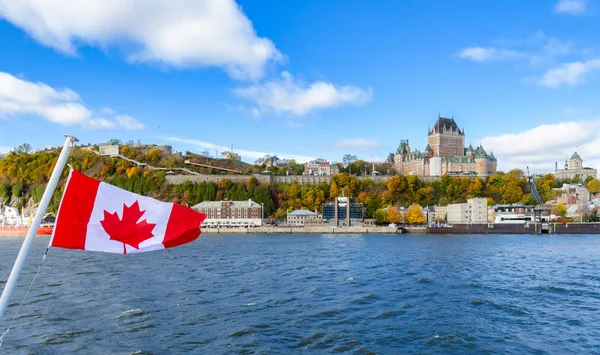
(344, 211)
(231, 213)
(445, 154)
(574, 169)
(515, 213)
(473, 211)
(302, 217)
(437, 213)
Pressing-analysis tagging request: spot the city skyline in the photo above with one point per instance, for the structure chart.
(305, 80)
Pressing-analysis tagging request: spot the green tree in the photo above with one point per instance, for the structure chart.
(349, 159)
(24, 148)
(592, 217)
(528, 199)
(5, 191)
(380, 216)
(17, 189)
(561, 210)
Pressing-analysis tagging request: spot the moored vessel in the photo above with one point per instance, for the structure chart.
(14, 224)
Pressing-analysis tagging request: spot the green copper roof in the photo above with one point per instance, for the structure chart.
(575, 156)
(462, 159)
(480, 152)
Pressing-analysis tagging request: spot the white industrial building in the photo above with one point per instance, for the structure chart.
(473, 211)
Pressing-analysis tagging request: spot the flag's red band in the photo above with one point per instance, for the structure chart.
(183, 227)
(75, 211)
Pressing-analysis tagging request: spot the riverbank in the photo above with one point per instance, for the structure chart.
(315, 230)
(528, 228)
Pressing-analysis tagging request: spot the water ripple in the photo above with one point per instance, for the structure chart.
(292, 294)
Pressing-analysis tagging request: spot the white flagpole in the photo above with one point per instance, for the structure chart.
(35, 224)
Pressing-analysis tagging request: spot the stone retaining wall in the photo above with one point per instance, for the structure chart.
(177, 179)
(305, 230)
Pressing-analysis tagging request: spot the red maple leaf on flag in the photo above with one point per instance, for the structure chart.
(128, 230)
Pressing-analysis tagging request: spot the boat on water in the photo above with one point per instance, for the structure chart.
(13, 223)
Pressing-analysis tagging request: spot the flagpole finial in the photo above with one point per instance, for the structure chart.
(73, 138)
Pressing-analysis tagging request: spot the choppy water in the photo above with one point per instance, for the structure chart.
(314, 294)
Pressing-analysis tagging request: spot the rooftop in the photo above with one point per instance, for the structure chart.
(217, 204)
(302, 213)
(448, 123)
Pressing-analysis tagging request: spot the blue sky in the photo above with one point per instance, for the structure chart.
(304, 79)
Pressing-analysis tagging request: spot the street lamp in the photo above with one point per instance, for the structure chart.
(262, 213)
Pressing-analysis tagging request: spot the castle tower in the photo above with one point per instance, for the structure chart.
(446, 139)
(481, 161)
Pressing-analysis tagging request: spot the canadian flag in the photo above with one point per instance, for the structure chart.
(96, 216)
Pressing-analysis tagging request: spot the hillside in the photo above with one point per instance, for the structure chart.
(23, 178)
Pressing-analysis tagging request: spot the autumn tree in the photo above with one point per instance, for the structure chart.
(511, 190)
(394, 215)
(333, 190)
(385, 198)
(396, 186)
(414, 215)
(153, 154)
(594, 186)
(516, 172)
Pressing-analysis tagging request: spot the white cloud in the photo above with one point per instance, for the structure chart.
(4, 150)
(107, 111)
(483, 54)
(245, 154)
(541, 52)
(542, 146)
(358, 144)
(538, 49)
(289, 95)
(178, 33)
(101, 123)
(571, 7)
(129, 122)
(570, 74)
(19, 97)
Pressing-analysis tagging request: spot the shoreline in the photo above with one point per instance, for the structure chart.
(462, 229)
(310, 230)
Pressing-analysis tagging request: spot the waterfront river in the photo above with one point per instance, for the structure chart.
(266, 294)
